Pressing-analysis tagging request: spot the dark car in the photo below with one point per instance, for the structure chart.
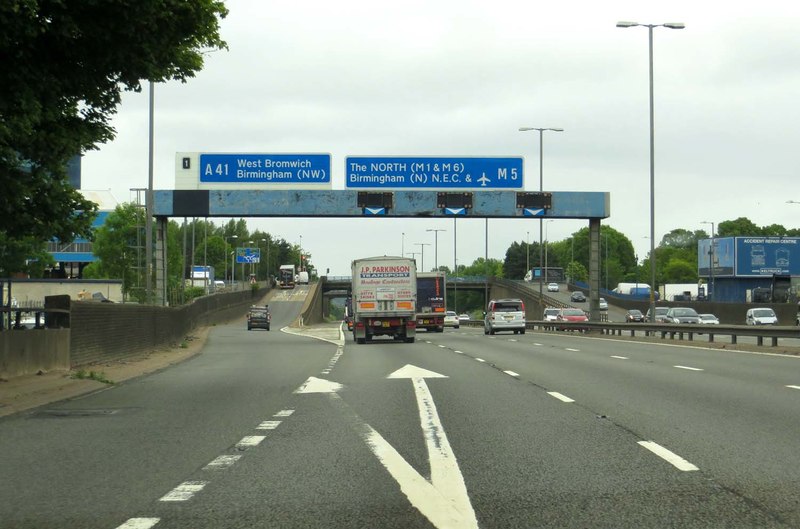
(634, 316)
(258, 318)
(577, 297)
(682, 315)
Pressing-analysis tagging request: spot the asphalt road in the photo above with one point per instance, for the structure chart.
(269, 429)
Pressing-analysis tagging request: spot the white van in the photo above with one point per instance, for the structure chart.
(763, 316)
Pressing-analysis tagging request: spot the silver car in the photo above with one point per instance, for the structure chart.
(682, 315)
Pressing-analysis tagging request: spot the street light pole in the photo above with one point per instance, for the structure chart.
(670, 25)
(225, 257)
(422, 246)
(545, 247)
(541, 188)
(710, 293)
(528, 254)
(436, 247)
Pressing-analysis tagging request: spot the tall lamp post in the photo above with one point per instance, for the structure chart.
(545, 247)
(436, 247)
(711, 250)
(528, 254)
(226, 255)
(669, 25)
(541, 188)
(422, 246)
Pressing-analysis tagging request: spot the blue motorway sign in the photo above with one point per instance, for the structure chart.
(248, 255)
(265, 168)
(428, 172)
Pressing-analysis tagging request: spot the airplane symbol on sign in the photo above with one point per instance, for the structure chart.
(483, 180)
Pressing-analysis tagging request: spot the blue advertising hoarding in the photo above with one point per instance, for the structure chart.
(722, 258)
(265, 168)
(428, 172)
(765, 256)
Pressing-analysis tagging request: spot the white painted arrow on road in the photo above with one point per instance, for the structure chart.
(443, 500)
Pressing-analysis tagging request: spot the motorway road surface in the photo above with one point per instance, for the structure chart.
(270, 429)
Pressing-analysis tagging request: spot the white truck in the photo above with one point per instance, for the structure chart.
(286, 276)
(384, 298)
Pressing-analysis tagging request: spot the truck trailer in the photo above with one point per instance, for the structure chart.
(286, 276)
(384, 298)
(431, 301)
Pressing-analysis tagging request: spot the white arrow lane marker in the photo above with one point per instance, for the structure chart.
(442, 500)
(139, 523)
(671, 457)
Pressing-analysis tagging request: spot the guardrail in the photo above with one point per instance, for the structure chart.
(771, 333)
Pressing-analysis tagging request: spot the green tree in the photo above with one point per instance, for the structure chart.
(25, 255)
(65, 65)
(679, 271)
(741, 227)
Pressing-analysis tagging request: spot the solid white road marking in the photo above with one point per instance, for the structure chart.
(184, 491)
(793, 387)
(573, 350)
(221, 462)
(668, 456)
(139, 523)
(620, 357)
(268, 425)
(480, 359)
(284, 413)
(689, 368)
(559, 396)
(511, 373)
(250, 441)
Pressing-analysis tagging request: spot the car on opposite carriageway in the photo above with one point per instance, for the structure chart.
(258, 317)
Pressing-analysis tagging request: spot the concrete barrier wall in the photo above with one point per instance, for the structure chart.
(312, 308)
(26, 352)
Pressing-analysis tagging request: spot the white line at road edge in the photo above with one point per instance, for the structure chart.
(689, 368)
(668, 456)
(559, 396)
(511, 373)
(620, 357)
(184, 491)
(139, 523)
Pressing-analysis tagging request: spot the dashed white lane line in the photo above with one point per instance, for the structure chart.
(511, 374)
(222, 462)
(620, 357)
(284, 413)
(537, 344)
(573, 350)
(512, 340)
(139, 523)
(459, 352)
(442, 346)
(793, 387)
(480, 359)
(250, 441)
(184, 491)
(268, 425)
(559, 396)
(668, 456)
(689, 368)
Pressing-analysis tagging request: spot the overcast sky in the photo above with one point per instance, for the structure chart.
(459, 78)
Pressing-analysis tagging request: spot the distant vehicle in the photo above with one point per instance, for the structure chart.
(384, 298)
(633, 289)
(765, 316)
(577, 297)
(709, 319)
(451, 319)
(603, 304)
(302, 278)
(634, 316)
(571, 315)
(219, 285)
(661, 315)
(463, 317)
(552, 287)
(797, 322)
(258, 317)
(504, 315)
(431, 294)
(682, 315)
(348, 313)
(550, 314)
(286, 275)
